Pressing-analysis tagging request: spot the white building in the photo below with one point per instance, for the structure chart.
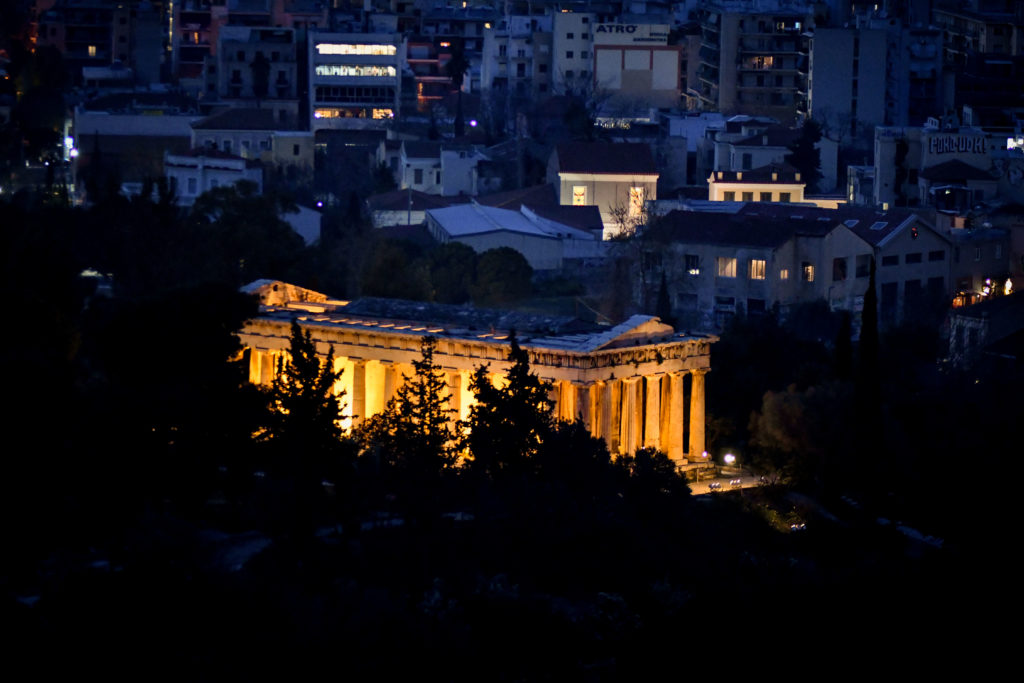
(544, 242)
(355, 79)
(199, 171)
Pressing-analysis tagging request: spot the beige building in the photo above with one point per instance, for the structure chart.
(637, 384)
(772, 183)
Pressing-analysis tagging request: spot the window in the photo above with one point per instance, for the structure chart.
(570, 36)
(295, 150)
(725, 302)
(92, 50)
(568, 54)
(765, 197)
(579, 195)
(584, 55)
(937, 255)
(748, 196)
(192, 184)
(226, 145)
(437, 177)
(568, 74)
(912, 258)
(417, 176)
(725, 266)
(213, 183)
(807, 271)
(863, 265)
(890, 261)
(838, 269)
(520, 70)
(784, 274)
(756, 306)
(747, 161)
(502, 50)
(636, 201)
(691, 262)
(784, 197)
(542, 68)
(240, 55)
(729, 196)
(756, 269)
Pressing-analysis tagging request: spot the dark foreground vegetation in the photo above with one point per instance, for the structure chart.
(164, 519)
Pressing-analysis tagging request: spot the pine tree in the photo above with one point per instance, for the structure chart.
(306, 411)
(508, 425)
(413, 435)
(805, 156)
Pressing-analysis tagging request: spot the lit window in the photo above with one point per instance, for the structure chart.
(808, 271)
(725, 267)
(92, 50)
(636, 201)
(579, 195)
(347, 49)
(692, 264)
(356, 70)
(757, 269)
(784, 274)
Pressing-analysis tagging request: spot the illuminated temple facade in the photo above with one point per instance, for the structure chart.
(636, 384)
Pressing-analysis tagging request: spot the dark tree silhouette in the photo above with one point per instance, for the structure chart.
(508, 424)
(805, 156)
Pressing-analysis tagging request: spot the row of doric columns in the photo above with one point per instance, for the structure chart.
(628, 413)
(639, 412)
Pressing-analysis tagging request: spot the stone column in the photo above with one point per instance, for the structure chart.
(390, 377)
(697, 413)
(672, 431)
(358, 391)
(610, 414)
(629, 430)
(585, 404)
(566, 401)
(652, 413)
(454, 379)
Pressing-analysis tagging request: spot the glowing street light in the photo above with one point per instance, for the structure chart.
(730, 459)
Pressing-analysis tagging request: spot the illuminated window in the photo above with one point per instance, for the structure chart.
(784, 274)
(725, 267)
(757, 269)
(691, 263)
(356, 49)
(383, 114)
(636, 201)
(357, 70)
(579, 195)
(807, 270)
(92, 50)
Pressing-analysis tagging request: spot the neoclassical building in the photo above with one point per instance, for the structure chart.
(636, 384)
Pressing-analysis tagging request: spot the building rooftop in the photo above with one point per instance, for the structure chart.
(606, 157)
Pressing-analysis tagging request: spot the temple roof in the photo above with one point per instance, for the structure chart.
(280, 300)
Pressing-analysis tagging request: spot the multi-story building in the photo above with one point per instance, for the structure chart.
(100, 32)
(846, 81)
(634, 64)
(355, 78)
(517, 55)
(572, 46)
(750, 57)
(258, 67)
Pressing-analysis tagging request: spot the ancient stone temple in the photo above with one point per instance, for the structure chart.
(639, 383)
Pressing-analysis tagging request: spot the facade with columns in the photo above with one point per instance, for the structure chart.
(637, 384)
